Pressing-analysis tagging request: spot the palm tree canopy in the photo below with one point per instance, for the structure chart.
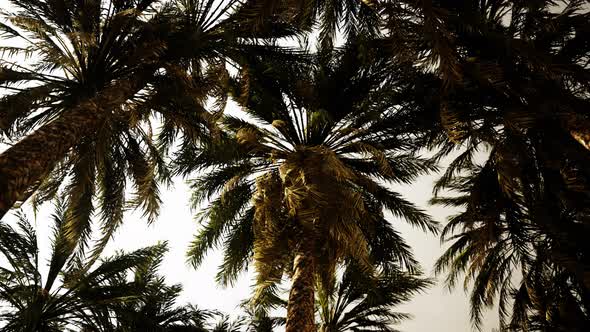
(105, 68)
(503, 247)
(364, 304)
(298, 182)
(349, 19)
(95, 73)
(520, 89)
(308, 156)
(31, 304)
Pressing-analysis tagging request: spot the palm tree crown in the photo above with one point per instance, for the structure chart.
(521, 98)
(301, 181)
(85, 293)
(103, 70)
(363, 304)
(97, 72)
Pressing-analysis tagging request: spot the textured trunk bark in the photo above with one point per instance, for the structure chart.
(300, 309)
(25, 164)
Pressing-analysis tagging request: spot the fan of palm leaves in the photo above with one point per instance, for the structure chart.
(84, 296)
(522, 88)
(348, 19)
(100, 70)
(301, 177)
(501, 238)
(359, 303)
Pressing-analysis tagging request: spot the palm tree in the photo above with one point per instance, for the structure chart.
(363, 304)
(86, 64)
(357, 303)
(499, 240)
(300, 183)
(85, 293)
(547, 300)
(95, 72)
(225, 324)
(258, 316)
(521, 66)
(515, 93)
(155, 308)
(494, 240)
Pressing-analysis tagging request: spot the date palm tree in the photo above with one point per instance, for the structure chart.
(28, 304)
(301, 176)
(79, 64)
(155, 308)
(506, 66)
(507, 254)
(548, 300)
(258, 316)
(359, 303)
(89, 76)
(518, 93)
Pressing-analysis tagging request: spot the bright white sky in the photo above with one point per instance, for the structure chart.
(437, 309)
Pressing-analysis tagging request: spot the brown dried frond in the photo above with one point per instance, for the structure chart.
(455, 127)
(247, 136)
(271, 242)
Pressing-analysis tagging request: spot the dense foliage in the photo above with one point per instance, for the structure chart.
(340, 101)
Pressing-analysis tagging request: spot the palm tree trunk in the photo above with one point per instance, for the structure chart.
(26, 163)
(300, 309)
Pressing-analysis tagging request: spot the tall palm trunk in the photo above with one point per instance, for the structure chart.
(300, 309)
(24, 165)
